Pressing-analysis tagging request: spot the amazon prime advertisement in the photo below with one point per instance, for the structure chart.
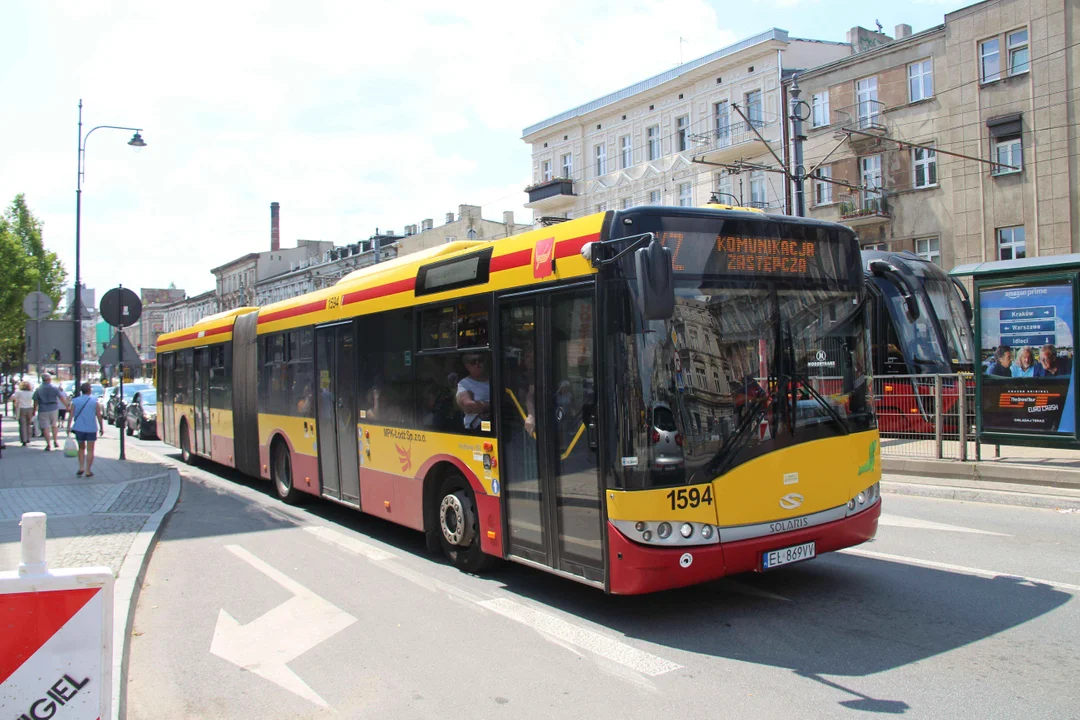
(1027, 358)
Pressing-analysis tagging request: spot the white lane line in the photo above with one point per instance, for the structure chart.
(959, 568)
(906, 522)
(594, 642)
(348, 543)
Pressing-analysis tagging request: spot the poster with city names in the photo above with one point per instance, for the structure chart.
(1026, 358)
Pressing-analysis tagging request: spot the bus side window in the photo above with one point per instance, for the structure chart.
(385, 390)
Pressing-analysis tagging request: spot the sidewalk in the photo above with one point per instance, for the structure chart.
(110, 519)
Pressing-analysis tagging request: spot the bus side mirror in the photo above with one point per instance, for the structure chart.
(655, 282)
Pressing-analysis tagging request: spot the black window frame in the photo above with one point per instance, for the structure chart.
(483, 273)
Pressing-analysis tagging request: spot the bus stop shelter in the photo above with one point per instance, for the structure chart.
(1025, 329)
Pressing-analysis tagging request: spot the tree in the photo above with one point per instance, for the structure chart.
(24, 262)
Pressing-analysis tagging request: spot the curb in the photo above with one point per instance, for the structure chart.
(1021, 498)
(126, 591)
(1018, 472)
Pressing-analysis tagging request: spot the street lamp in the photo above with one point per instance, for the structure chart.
(136, 142)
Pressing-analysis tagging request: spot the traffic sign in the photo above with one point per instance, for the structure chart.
(38, 305)
(120, 307)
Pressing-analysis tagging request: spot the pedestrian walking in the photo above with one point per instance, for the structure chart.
(85, 418)
(47, 400)
(24, 410)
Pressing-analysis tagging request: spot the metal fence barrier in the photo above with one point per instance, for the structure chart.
(927, 416)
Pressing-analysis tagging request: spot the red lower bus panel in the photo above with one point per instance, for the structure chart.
(221, 450)
(490, 522)
(639, 568)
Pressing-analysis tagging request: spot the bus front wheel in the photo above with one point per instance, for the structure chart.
(459, 526)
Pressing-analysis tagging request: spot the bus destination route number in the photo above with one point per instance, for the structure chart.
(690, 497)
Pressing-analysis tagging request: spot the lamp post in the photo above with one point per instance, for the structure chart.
(136, 141)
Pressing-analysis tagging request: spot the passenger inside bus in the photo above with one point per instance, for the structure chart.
(474, 392)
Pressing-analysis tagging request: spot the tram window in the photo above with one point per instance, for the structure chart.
(385, 388)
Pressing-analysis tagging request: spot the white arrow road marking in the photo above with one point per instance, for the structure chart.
(906, 522)
(978, 572)
(268, 642)
(594, 642)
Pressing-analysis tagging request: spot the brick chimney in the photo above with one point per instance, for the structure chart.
(275, 227)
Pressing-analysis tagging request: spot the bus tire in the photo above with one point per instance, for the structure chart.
(459, 525)
(281, 474)
(186, 455)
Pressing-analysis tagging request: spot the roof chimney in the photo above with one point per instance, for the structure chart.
(902, 31)
(508, 220)
(275, 227)
(426, 224)
(449, 218)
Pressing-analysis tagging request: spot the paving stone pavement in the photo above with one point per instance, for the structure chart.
(90, 521)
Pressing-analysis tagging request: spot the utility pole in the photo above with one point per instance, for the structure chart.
(797, 137)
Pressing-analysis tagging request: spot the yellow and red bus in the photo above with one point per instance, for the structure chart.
(637, 400)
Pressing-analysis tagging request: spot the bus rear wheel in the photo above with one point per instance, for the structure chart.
(185, 445)
(281, 474)
(459, 526)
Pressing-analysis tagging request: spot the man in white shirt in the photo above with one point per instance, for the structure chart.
(474, 391)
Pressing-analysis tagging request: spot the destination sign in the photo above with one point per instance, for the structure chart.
(766, 255)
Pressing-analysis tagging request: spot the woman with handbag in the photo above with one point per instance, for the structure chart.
(24, 410)
(82, 419)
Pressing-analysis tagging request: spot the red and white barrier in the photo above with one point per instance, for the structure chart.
(55, 636)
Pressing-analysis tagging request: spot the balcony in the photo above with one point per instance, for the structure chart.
(863, 208)
(732, 140)
(553, 195)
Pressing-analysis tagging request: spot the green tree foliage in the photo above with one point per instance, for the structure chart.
(24, 262)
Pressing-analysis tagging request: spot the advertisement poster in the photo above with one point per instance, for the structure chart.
(1026, 358)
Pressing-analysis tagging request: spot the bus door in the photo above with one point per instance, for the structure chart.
(335, 372)
(166, 388)
(551, 490)
(201, 410)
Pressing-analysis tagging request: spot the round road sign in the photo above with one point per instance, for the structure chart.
(121, 307)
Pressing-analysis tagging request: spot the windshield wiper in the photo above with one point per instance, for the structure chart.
(724, 458)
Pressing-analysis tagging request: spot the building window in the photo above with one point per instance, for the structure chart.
(754, 110)
(875, 246)
(545, 172)
(866, 97)
(1011, 244)
(929, 249)
(819, 102)
(654, 197)
(989, 60)
(920, 80)
(757, 189)
(682, 127)
(601, 159)
(1017, 44)
(1008, 151)
(625, 203)
(627, 151)
(568, 165)
(601, 207)
(685, 194)
(653, 135)
(723, 124)
(823, 190)
(870, 170)
(924, 162)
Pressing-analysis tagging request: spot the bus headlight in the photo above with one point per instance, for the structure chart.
(864, 499)
(689, 533)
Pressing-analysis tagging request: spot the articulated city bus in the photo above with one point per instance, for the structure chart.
(637, 400)
(920, 320)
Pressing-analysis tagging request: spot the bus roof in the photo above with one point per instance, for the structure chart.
(216, 328)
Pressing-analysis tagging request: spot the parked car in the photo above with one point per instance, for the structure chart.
(115, 407)
(666, 451)
(142, 414)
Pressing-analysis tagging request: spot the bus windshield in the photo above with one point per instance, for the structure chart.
(752, 360)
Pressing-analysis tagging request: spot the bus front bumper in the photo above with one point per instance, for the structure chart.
(638, 569)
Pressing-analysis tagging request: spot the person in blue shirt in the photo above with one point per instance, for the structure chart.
(1025, 364)
(47, 400)
(1049, 363)
(86, 419)
(1002, 366)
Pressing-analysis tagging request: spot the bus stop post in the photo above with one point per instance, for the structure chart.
(32, 560)
(937, 416)
(961, 415)
(120, 364)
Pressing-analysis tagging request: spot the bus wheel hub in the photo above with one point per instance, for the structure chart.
(457, 520)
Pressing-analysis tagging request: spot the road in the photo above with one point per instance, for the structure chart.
(956, 610)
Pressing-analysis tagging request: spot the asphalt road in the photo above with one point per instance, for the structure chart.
(956, 610)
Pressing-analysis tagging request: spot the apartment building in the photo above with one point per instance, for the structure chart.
(468, 224)
(706, 125)
(185, 313)
(959, 142)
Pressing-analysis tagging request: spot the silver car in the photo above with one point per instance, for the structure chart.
(666, 450)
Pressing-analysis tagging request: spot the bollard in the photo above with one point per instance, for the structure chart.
(56, 646)
(961, 415)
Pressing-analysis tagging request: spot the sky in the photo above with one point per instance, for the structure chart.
(352, 115)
